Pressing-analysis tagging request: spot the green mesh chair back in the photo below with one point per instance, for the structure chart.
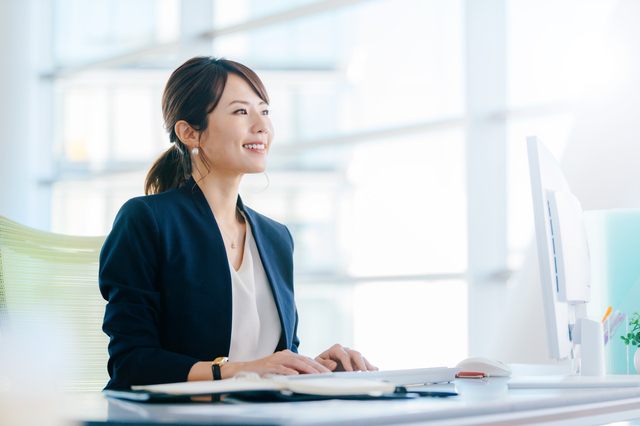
(50, 281)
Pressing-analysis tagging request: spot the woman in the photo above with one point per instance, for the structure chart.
(199, 286)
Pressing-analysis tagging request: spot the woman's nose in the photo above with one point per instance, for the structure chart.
(261, 125)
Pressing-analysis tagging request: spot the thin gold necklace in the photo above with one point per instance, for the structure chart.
(233, 240)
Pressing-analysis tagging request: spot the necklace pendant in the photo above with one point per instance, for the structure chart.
(233, 245)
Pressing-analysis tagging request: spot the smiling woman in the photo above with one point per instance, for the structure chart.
(198, 285)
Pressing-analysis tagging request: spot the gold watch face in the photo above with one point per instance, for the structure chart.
(221, 360)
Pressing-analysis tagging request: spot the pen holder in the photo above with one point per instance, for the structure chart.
(592, 362)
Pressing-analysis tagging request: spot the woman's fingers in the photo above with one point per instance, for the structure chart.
(370, 366)
(330, 364)
(299, 363)
(287, 363)
(339, 353)
(320, 366)
(305, 365)
(345, 359)
(357, 361)
(281, 369)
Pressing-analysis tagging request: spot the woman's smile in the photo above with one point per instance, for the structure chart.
(240, 132)
(259, 147)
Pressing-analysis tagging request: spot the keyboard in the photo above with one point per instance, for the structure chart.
(415, 376)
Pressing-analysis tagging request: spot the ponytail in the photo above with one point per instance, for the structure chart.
(170, 171)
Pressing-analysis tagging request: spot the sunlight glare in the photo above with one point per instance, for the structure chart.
(595, 68)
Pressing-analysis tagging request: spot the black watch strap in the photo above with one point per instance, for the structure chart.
(215, 367)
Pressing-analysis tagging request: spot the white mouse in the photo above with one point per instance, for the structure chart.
(490, 367)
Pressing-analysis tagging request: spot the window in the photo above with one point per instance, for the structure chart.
(370, 166)
(367, 168)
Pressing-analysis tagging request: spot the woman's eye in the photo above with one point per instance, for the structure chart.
(240, 111)
(265, 112)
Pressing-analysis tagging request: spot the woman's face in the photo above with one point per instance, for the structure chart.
(239, 131)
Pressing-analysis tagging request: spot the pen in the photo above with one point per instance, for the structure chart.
(618, 319)
(609, 309)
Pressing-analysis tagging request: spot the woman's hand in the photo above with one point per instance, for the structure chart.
(284, 362)
(339, 358)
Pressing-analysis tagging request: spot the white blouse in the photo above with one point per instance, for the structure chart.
(255, 324)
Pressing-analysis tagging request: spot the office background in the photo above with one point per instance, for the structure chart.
(399, 162)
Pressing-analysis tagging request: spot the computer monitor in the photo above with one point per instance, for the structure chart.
(563, 253)
(565, 277)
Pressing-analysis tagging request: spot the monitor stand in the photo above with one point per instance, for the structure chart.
(589, 352)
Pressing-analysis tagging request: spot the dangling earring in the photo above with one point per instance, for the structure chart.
(195, 151)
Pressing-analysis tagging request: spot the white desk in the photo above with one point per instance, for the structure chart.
(481, 402)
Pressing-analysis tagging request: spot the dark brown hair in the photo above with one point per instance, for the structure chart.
(192, 92)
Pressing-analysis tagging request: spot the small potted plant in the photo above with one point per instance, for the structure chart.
(633, 337)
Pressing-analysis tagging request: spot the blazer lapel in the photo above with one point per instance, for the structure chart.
(282, 295)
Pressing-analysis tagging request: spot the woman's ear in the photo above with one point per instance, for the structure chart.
(187, 135)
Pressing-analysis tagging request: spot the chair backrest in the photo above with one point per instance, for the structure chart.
(50, 281)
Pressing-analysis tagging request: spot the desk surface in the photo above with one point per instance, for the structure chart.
(486, 401)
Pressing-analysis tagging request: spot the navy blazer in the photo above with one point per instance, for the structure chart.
(165, 273)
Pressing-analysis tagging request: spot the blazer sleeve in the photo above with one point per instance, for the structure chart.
(129, 265)
(295, 343)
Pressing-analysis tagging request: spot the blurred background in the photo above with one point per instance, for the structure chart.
(399, 162)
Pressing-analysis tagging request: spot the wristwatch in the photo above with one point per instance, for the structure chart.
(215, 366)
